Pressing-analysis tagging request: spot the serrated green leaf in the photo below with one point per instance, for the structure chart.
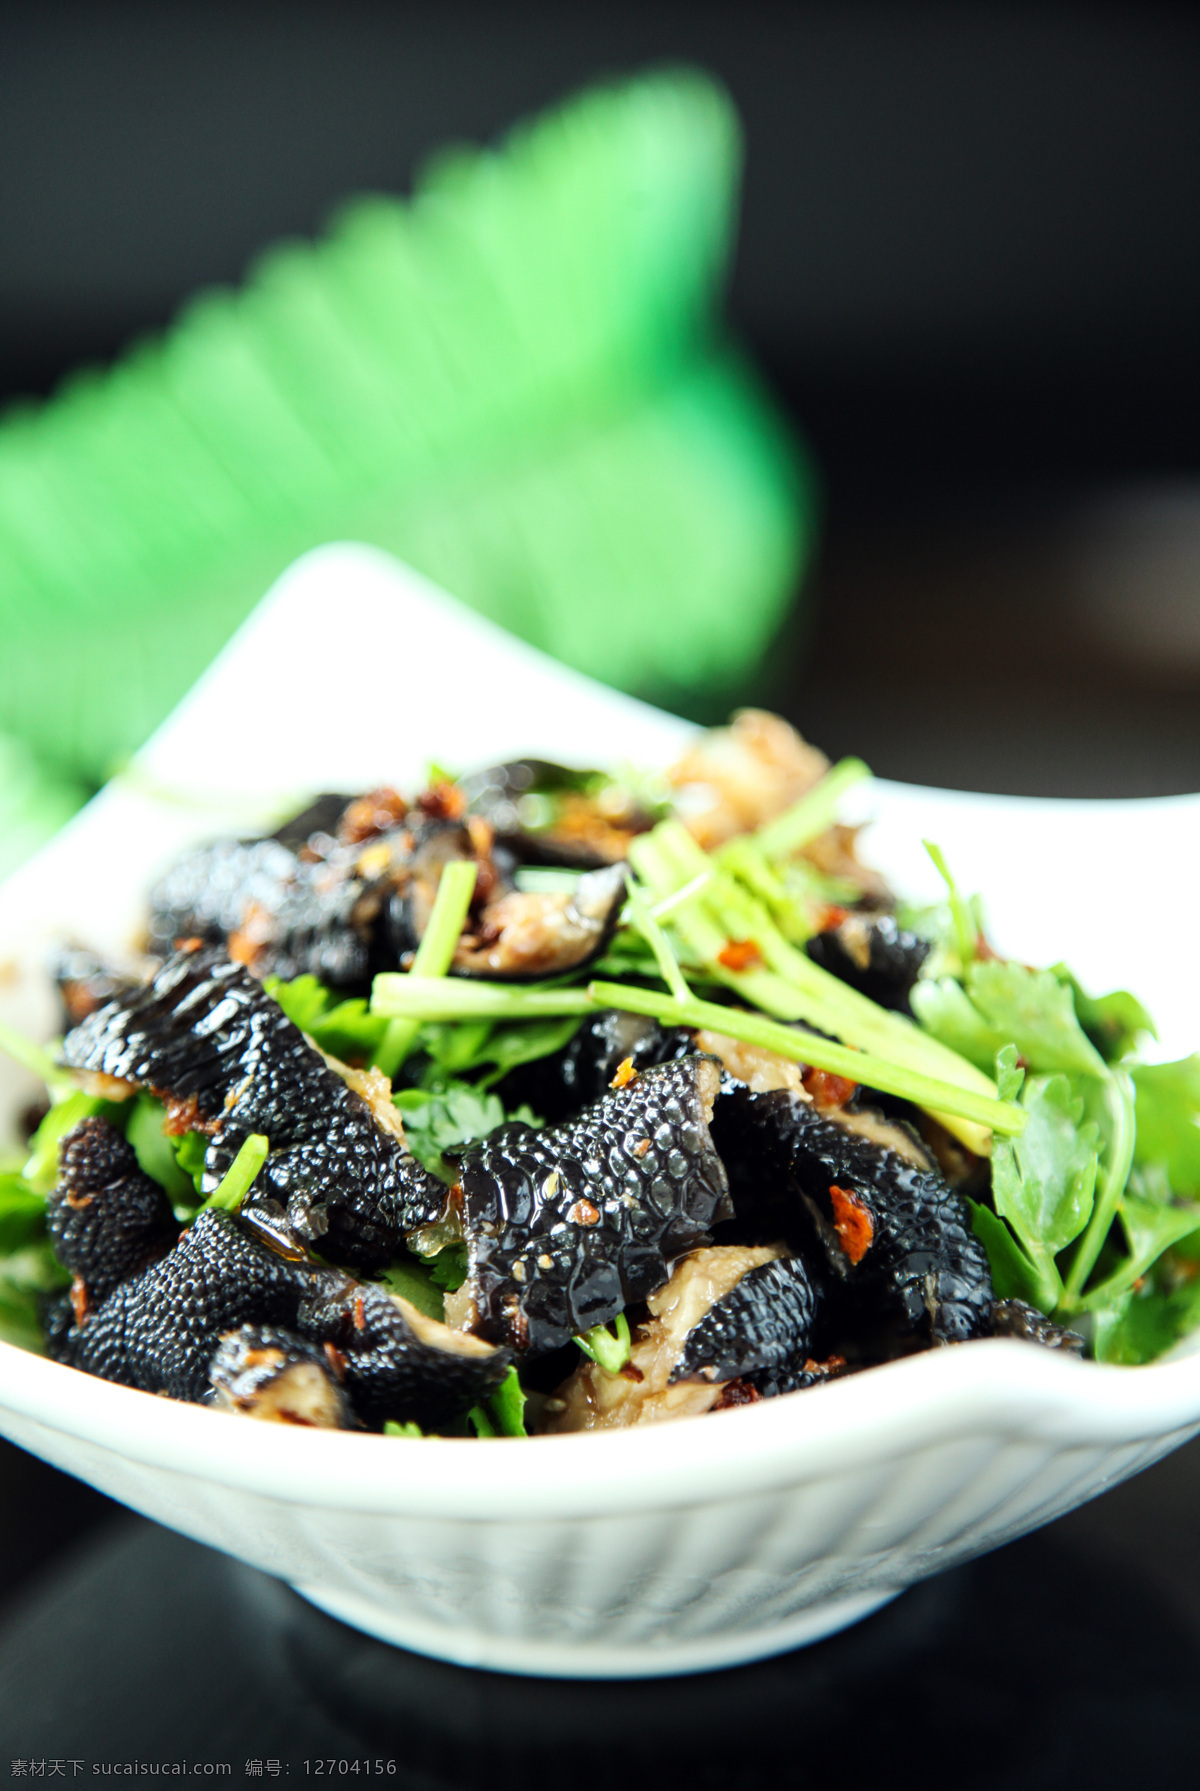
(1168, 1120)
(1044, 1182)
(1139, 1327)
(1014, 1276)
(1002, 1004)
(1009, 1076)
(1114, 1022)
(414, 1283)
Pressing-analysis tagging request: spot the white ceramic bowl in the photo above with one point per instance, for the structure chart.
(674, 1548)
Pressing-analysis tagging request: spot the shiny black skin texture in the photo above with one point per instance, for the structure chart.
(924, 1274)
(315, 917)
(565, 1227)
(763, 1326)
(393, 1363)
(557, 1087)
(496, 792)
(249, 1363)
(84, 982)
(106, 1218)
(1013, 1318)
(159, 1330)
(894, 960)
(204, 1031)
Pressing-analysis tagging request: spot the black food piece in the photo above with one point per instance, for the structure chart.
(276, 912)
(159, 1330)
(206, 1037)
(265, 1372)
(105, 1217)
(565, 1227)
(316, 825)
(84, 982)
(1013, 1318)
(393, 1360)
(559, 1086)
(764, 1325)
(874, 954)
(553, 814)
(894, 1233)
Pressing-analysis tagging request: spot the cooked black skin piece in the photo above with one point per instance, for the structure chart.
(105, 1217)
(763, 1326)
(263, 1371)
(317, 822)
(159, 1330)
(303, 918)
(557, 1087)
(922, 1272)
(495, 793)
(875, 955)
(565, 1227)
(395, 1362)
(1013, 1318)
(205, 1036)
(84, 982)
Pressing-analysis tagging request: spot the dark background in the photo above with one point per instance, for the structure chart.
(969, 268)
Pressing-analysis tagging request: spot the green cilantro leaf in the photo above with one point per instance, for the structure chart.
(1168, 1120)
(1043, 1183)
(1115, 1023)
(346, 1029)
(1004, 1004)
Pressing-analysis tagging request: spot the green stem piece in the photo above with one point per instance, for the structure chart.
(606, 1351)
(434, 955)
(815, 812)
(965, 931)
(1004, 1117)
(657, 940)
(237, 1180)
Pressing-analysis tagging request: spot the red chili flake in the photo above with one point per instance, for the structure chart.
(740, 954)
(583, 1213)
(831, 917)
(641, 1147)
(737, 1393)
(77, 1202)
(853, 1223)
(371, 814)
(193, 943)
(630, 1372)
(625, 1074)
(827, 1091)
(336, 1360)
(830, 1365)
(79, 1299)
(183, 1116)
(360, 1317)
(443, 802)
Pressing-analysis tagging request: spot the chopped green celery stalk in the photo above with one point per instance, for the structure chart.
(606, 1351)
(434, 955)
(815, 812)
(681, 897)
(41, 1170)
(1115, 1173)
(1004, 1117)
(392, 1429)
(60, 1082)
(479, 1421)
(412, 997)
(794, 988)
(154, 1150)
(965, 931)
(548, 879)
(743, 860)
(237, 1180)
(656, 939)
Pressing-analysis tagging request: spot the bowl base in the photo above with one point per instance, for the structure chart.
(562, 1659)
